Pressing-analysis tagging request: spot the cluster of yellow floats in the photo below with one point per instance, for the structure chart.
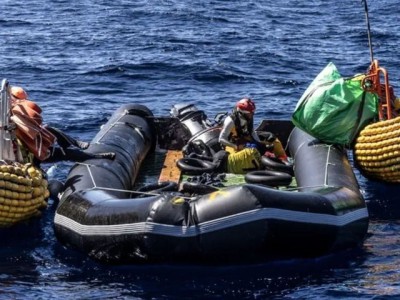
(377, 150)
(23, 193)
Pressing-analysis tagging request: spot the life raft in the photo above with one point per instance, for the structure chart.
(100, 214)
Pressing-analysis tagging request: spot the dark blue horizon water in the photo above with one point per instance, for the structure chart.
(81, 60)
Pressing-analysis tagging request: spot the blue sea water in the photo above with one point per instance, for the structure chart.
(80, 60)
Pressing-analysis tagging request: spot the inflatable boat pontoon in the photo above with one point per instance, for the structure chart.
(100, 214)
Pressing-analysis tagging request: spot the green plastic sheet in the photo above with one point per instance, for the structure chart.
(334, 109)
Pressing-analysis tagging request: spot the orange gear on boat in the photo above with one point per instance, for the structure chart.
(36, 138)
(20, 96)
(23, 108)
(31, 105)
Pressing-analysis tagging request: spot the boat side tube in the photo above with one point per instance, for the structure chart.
(237, 223)
(130, 135)
(318, 165)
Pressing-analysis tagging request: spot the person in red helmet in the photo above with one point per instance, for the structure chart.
(238, 127)
(238, 131)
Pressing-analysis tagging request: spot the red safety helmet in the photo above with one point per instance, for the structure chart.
(18, 93)
(246, 106)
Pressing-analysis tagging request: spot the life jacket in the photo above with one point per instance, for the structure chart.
(241, 134)
(29, 130)
(23, 108)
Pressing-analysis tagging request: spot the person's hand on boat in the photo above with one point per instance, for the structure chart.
(269, 154)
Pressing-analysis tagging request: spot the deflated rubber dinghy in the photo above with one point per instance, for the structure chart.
(99, 214)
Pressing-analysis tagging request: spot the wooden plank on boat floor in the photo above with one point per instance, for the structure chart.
(170, 172)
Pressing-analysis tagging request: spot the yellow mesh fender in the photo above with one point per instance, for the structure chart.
(377, 150)
(23, 193)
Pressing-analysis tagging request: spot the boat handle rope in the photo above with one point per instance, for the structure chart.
(112, 125)
(95, 187)
(190, 199)
(310, 187)
(327, 165)
(325, 184)
(38, 143)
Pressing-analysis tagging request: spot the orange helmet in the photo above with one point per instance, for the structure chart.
(246, 105)
(18, 93)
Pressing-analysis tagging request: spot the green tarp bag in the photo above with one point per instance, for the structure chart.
(334, 109)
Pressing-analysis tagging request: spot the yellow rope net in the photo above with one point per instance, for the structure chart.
(23, 193)
(377, 150)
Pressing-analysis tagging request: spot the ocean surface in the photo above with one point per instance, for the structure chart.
(81, 60)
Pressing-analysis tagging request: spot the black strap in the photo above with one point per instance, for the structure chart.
(238, 127)
(359, 116)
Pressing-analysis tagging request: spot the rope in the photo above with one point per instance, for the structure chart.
(190, 199)
(310, 187)
(368, 30)
(327, 165)
(95, 187)
(111, 126)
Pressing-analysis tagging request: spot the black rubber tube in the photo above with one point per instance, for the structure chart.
(276, 164)
(195, 166)
(269, 178)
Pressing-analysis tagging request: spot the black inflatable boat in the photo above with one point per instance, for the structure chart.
(100, 215)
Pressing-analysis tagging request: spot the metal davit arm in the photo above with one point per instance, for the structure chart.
(6, 146)
(3, 100)
(371, 83)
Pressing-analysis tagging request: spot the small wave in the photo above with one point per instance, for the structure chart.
(14, 22)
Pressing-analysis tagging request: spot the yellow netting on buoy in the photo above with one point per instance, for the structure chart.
(377, 150)
(23, 193)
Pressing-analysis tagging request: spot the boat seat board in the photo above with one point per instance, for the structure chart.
(170, 172)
